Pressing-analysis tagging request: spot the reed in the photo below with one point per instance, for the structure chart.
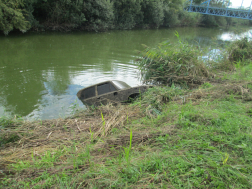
(169, 64)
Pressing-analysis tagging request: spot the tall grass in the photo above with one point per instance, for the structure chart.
(127, 150)
(169, 64)
(240, 51)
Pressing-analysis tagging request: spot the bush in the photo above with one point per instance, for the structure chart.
(153, 12)
(209, 21)
(189, 19)
(172, 63)
(59, 12)
(99, 14)
(91, 14)
(128, 14)
(240, 51)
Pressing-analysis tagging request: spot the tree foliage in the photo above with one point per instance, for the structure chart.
(128, 13)
(100, 15)
(12, 15)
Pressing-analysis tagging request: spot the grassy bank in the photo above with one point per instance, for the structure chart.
(179, 135)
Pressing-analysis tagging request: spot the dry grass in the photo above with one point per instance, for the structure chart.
(48, 134)
(41, 136)
(37, 138)
(218, 91)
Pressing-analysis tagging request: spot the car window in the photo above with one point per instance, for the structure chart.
(105, 88)
(89, 92)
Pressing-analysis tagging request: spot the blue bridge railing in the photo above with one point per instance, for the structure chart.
(222, 10)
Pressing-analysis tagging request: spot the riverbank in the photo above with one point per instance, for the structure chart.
(168, 138)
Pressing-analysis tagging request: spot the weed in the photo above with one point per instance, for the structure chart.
(74, 107)
(6, 121)
(103, 123)
(225, 158)
(91, 134)
(127, 150)
(206, 85)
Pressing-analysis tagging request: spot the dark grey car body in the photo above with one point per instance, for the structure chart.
(109, 91)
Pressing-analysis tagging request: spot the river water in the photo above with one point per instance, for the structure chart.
(40, 73)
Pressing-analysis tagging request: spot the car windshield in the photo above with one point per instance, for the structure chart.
(121, 85)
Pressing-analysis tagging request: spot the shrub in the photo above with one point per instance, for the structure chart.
(189, 19)
(99, 14)
(153, 12)
(172, 63)
(93, 14)
(240, 51)
(59, 12)
(128, 14)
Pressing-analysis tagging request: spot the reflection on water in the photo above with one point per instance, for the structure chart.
(231, 36)
(40, 74)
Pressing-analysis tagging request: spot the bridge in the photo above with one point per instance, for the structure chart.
(220, 9)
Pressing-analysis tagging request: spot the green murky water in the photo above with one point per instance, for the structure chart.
(41, 73)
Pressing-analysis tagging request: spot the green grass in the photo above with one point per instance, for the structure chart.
(5, 121)
(209, 148)
(243, 73)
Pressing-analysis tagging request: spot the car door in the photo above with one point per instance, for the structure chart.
(88, 95)
(106, 92)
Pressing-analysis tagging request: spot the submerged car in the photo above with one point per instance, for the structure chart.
(109, 91)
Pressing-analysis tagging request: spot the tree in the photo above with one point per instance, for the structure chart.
(128, 13)
(12, 16)
(153, 12)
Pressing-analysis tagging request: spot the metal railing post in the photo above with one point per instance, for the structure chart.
(191, 6)
(227, 7)
(208, 5)
(249, 9)
(230, 12)
(242, 3)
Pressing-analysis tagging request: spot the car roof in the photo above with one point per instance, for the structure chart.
(119, 84)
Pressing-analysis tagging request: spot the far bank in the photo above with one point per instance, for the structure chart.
(99, 15)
